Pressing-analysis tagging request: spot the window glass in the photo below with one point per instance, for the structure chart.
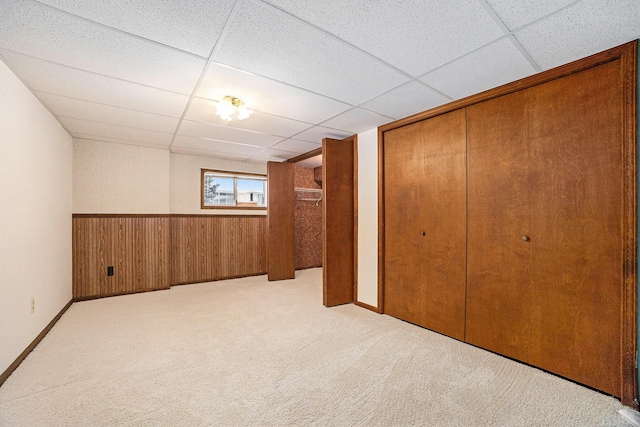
(235, 190)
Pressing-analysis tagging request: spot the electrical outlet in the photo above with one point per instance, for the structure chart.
(110, 270)
(33, 304)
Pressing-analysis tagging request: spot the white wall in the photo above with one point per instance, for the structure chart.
(185, 182)
(118, 178)
(368, 217)
(35, 218)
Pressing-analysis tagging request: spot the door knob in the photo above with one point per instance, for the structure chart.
(422, 233)
(525, 238)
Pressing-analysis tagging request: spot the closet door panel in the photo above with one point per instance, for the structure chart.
(499, 293)
(425, 233)
(576, 188)
(545, 164)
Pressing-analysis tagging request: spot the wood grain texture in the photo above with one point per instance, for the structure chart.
(308, 222)
(545, 162)
(137, 247)
(425, 241)
(281, 263)
(338, 239)
(214, 247)
(627, 56)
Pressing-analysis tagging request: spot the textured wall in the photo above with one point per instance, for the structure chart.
(35, 218)
(308, 223)
(118, 178)
(185, 183)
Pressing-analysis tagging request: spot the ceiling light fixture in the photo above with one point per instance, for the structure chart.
(230, 105)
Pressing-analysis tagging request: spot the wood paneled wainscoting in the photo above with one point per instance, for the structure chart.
(215, 247)
(135, 246)
(152, 252)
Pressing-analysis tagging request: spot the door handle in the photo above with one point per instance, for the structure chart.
(422, 233)
(526, 238)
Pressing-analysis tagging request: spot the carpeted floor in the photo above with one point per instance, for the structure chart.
(249, 352)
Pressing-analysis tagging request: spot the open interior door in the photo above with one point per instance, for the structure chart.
(281, 263)
(338, 219)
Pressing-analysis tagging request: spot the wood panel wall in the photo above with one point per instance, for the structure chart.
(136, 246)
(215, 247)
(308, 222)
(151, 252)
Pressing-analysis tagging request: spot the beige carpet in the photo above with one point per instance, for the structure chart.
(248, 352)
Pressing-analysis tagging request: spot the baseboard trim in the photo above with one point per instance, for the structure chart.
(117, 294)
(368, 307)
(7, 373)
(217, 279)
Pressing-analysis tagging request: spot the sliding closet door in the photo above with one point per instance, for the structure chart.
(425, 223)
(545, 226)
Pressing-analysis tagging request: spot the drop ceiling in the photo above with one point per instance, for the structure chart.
(150, 72)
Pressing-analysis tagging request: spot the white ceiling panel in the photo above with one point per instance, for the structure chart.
(408, 99)
(82, 136)
(189, 25)
(203, 110)
(317, 133)
(586, 28)
(40, 31)
(57, 79)
(84, 110)
(515, 14)
(414, 36)
(267, 95)
(84, 127)
(276, 154)
(201, 144)
(229, 134)
(494, 65)
(270, 43)
(207, 153)
(357, 120)
(295, 146)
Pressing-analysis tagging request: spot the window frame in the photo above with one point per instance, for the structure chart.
(235, 176)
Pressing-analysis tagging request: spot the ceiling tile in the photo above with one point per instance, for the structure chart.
(200, 144)
(494, 65)
(414, 36)
(317, 133)
(270, 43)
(84, 110)
(295, 146)
(515, 14)
(203, 110)
(405, 100)
(267, 95)
(583, 29)
(48, 77)
(84, 127)
(357, 120)
(40, 31)
(87, 137)
(229, 134)
(193, 25)
(277, 154)
(206, 153)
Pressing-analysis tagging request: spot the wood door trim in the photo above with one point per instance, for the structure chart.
(616, 53)
(355, 221)
(628, 55)
(102, 215)
(629, 61)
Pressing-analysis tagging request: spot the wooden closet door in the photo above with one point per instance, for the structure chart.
(281, 247)
(425, 214)
(553, 300)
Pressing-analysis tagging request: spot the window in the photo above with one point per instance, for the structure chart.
(233, 190)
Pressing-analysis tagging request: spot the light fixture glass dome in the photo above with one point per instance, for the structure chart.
(229, 105)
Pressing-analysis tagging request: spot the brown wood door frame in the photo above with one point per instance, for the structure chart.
(627, 54)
